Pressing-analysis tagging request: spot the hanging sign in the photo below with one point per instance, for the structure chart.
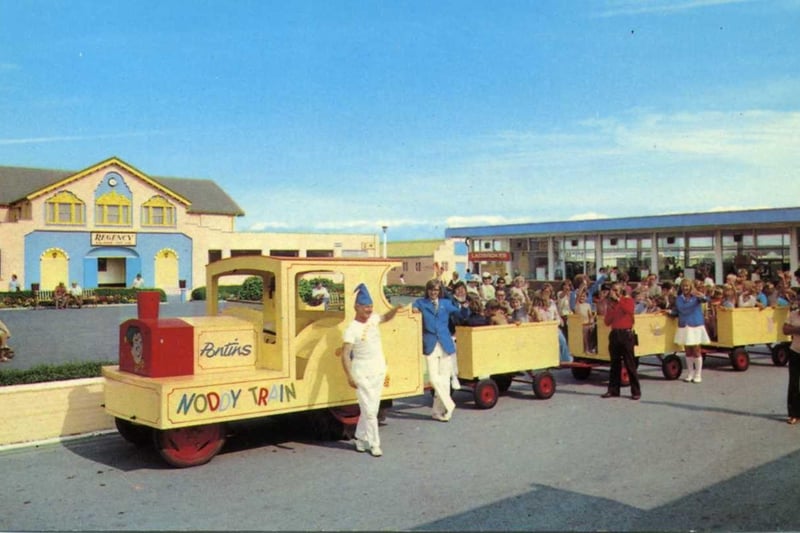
(489, 256)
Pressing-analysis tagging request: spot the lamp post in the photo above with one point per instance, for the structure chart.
(384, 228)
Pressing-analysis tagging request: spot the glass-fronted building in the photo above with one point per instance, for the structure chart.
(763, 240)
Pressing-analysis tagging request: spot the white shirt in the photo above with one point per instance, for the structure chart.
(366, 340)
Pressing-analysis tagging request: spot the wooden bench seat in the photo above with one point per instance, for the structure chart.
(46, 297)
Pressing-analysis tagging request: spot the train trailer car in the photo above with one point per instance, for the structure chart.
(738, 328)
(181, 380)
(491, 357)
(655, 333)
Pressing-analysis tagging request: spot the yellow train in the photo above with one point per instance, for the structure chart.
(180, 381)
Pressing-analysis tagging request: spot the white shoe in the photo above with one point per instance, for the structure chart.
(689, 378)
(698, 379)
(376, 451)
(440, 418)
(455, 384)
(361, 446)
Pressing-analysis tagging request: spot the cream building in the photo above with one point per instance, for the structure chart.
(426, 259)
(103, 225)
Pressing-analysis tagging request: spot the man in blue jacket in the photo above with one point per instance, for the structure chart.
(438, 345)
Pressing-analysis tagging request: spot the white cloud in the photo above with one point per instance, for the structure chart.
(638, 7)
(71, 138)
(636, 164)
(588, 216)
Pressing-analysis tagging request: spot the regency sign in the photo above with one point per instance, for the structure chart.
(107, 238)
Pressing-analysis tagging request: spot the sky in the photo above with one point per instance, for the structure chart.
(346, 116)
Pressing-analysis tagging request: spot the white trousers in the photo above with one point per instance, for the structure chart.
(440, 369)
(368, 392)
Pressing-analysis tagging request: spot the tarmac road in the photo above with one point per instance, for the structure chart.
(712, 456)
(51, 336)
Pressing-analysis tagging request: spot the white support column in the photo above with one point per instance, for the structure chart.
(654, 254)
(550, 259)
(719, 274)
(598, 253)
(794, 261)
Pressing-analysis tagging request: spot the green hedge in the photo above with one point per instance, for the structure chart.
(104, 296)
(226, 292)
(44, 373)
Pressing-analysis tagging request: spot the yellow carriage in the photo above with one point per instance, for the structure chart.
(741, 327)
(491, 357)
(655, 333)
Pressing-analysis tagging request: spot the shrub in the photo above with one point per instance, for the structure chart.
(252, 289)
(44, 373)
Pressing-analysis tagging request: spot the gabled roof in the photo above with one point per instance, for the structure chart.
(201, 196)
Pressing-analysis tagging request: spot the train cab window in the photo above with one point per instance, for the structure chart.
(319, 306)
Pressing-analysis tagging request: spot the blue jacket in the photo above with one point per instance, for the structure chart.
(435, 324)
(689, 311)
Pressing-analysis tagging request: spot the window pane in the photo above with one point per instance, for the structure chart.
(64, 212)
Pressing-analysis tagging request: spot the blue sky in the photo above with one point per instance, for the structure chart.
(330, 116)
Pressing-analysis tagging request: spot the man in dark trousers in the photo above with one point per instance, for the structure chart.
(621, 342)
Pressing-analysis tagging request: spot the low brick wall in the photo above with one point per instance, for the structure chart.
(49, 410)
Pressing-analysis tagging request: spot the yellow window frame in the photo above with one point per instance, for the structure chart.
(71, 202)
(113, 199)
(152, 205)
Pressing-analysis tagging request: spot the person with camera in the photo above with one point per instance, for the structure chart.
(621, 342)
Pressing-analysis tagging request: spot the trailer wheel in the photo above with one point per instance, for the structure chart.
(671, 367)
(740, 359)
(189, 446)
(780, 354)
(503, 382)
(136, 434)
(544, 385)
(581, 372)
(486, 393)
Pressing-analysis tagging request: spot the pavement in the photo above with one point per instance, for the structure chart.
(716, 456)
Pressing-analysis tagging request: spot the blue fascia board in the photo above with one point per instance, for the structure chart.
(689, 221)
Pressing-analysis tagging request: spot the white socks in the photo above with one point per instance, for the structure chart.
(695, 367)
(698, 365)
(690, 368)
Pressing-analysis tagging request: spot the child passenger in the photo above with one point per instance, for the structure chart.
(495, 313)
(583, 309)
(728, 297)
(477, 316)
(519, 314)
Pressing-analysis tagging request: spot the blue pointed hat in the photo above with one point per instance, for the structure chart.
(362, 295)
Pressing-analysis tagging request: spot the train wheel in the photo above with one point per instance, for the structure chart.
(671, 367)
(136, 434)
(581, 372)
(740, 359)
(345, 421)
(544, 385)
(780, 354)
(486, 393)
(190, 446)
(346, 414)
(503, 382)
